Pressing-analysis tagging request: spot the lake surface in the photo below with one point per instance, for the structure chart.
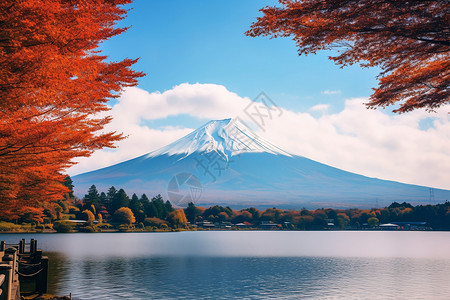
(248, 264)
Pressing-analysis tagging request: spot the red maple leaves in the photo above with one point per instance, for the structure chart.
(408, 40)
(53, 85)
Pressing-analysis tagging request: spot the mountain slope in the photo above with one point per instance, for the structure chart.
(225, 163)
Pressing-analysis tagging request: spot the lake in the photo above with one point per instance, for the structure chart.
(248, 264)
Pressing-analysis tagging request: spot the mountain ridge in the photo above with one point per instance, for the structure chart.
(233, 166)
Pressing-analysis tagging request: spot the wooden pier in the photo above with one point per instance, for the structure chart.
(22, 263)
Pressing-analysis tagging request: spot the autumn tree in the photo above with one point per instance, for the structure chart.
(31, 214)
(54, 87)
(242, 216)
(255, 213)
(373, 222)
(88, 216)
(213, 212)
(408, 40)
(271, 214)
(177, 218)
(52, 211)
(124, 215)
(342, 220)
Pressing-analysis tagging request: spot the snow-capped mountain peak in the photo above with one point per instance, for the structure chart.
(228, 137)
(260, 175)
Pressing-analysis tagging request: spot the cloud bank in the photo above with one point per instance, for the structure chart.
(367, 142)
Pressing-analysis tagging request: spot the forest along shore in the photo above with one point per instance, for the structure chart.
(162, 217)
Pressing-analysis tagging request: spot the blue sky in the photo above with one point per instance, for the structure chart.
(200, 66)
(203, 41)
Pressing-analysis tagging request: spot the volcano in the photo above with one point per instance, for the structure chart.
(225, 163)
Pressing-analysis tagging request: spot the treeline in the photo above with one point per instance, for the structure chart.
(156, 211)
(436, 216)
(115, 208)
(108, 203)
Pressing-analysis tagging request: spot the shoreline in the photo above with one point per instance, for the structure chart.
(222, 230)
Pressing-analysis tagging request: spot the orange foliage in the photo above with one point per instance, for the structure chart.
(291, 216)
(54, 87)
(272, 214)
(177, 218)
(223, 216)
(31, 214)
(319, 213)
(241, 216)
(90, 217)
(410, 42)
(123, 215)
(406, 211)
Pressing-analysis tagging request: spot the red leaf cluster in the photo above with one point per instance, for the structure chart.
(53, 85)
(408, 40)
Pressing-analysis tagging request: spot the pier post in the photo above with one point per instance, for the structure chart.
(7, 269)
(32, 246)
(11, 256)
(5, 281)
(22, 246)
(42, 277)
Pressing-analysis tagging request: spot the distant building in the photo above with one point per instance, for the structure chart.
(206, 224)
(330, 223)
(243, 225)
(267, 225)
(412, 225)
(389, 226)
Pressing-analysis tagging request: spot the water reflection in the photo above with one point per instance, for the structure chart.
(254, 278)
(246, 243)
(58, 269)
(248, 265)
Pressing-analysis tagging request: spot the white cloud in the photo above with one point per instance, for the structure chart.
(320, 107)
(206, 101)
(136, 106)
(328, 92)
(368, 142)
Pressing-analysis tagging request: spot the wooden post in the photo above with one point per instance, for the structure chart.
(2, 279)
(35, 245)
(5, 285)
(42, 277)
(2, 249)
(22, 246)
(11, 253)
(7, 270)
